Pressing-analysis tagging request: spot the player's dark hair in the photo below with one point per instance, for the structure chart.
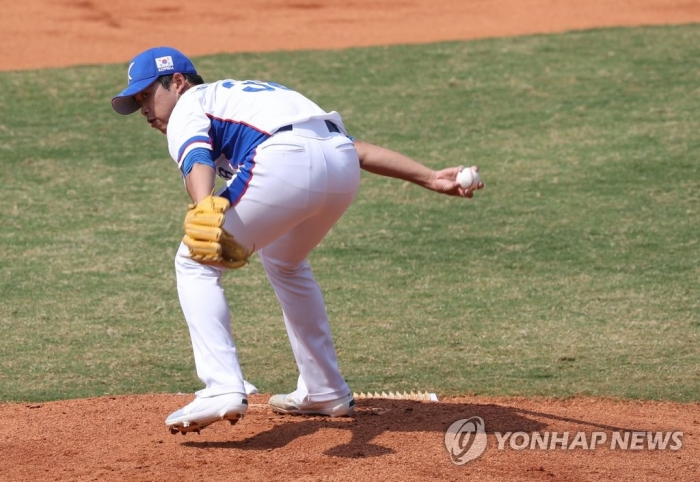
(194, 79)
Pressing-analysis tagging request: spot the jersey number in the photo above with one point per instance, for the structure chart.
(225, 173)
(255, 86)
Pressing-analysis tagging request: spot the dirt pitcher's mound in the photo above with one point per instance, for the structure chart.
(124, 439)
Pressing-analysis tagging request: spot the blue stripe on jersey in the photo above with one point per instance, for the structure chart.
(237, 142)
(239, 186)
(191, 141)
(234, 139)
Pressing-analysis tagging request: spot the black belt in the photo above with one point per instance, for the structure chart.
(331, 127)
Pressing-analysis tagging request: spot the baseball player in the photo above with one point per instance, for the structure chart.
(291, 171)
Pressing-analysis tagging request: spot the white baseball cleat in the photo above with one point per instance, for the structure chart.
(290, 404)
(203, 411)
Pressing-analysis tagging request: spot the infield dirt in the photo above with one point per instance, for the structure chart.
(124, 439)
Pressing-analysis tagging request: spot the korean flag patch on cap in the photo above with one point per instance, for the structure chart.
(165, 63)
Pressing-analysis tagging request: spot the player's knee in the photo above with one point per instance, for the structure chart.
(283, 268)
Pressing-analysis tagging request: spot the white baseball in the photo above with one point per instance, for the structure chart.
(468, 178)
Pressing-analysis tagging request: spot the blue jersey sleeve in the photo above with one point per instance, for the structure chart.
(199, 155)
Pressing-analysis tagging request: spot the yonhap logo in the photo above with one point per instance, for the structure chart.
(466, 440)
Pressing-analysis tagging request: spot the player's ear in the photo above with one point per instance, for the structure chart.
(180, 83)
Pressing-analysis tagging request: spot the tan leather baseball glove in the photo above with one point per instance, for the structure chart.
(208, 241)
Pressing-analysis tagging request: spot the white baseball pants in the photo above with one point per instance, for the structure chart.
(303, 181)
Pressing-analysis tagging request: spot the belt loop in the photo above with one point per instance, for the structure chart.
(332, 127)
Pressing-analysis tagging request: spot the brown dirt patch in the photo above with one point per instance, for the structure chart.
(124, 438)
(44, 33)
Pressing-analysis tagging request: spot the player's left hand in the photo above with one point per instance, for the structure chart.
(445, 182)
(205, 236)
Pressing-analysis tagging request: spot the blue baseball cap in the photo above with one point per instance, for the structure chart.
(145, 69)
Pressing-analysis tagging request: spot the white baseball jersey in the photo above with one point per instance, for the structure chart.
(291, 187)
(231, 118)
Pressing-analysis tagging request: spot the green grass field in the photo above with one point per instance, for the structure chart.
(576, 271)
